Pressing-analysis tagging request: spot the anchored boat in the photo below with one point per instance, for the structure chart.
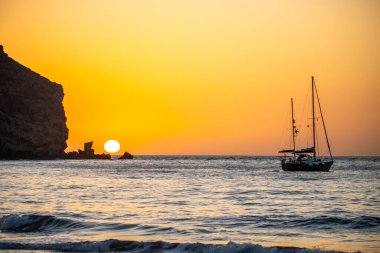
(306, 159)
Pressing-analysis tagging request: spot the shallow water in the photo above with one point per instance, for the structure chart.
(187, 200)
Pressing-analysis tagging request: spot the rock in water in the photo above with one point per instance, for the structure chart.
(87, 153)
(32, 117)
(126, 155)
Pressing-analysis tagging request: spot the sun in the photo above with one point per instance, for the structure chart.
(111, 146)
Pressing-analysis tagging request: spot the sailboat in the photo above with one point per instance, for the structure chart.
(306, 159)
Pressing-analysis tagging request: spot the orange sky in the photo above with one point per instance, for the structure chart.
(203, 77)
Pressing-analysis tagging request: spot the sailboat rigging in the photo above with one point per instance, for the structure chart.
(301, 160)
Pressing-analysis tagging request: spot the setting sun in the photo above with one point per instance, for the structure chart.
(111, 146)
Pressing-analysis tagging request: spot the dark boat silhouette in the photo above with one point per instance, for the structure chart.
(306, 159)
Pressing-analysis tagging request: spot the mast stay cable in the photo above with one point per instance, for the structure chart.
(323, 121)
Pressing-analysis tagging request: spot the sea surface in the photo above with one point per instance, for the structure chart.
(189, 204)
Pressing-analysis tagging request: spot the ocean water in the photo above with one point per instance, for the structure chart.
(189, 204)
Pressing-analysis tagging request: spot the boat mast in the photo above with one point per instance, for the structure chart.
(293, 128)
(312, 106)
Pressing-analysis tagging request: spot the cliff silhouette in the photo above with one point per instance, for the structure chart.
(32, 117)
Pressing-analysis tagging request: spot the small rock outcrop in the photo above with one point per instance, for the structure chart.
(126, 155)
(87, 153)
(32, 117)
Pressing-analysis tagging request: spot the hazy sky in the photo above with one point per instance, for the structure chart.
(203, 77)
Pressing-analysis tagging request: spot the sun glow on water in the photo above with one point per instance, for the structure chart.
(111, 146)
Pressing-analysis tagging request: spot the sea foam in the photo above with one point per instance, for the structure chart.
(156, 247)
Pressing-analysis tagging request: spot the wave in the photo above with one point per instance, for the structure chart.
(29, 223)
(157, 247)
(21, 223)
(335, 223)
(327, 222)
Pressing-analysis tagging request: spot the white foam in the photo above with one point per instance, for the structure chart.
(158, 247)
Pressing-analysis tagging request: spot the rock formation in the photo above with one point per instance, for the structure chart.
(32, 117)
(87, 153)
(126, 155)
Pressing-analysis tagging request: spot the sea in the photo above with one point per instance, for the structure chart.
(206, 204)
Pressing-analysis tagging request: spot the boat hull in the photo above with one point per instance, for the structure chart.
(304, 166)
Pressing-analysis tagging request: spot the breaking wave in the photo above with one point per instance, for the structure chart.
(156, 247)
(22, 223)
(29, 223)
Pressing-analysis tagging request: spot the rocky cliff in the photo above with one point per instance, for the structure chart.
(32, 117)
